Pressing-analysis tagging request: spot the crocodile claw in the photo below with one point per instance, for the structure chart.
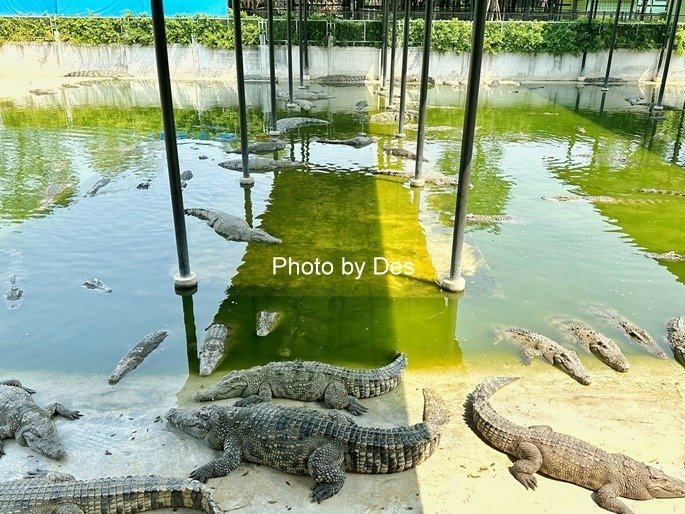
(199, 475)
(324, 491)
(357, 408)
(72, 414)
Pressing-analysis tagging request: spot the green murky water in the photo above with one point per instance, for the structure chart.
(555, 258)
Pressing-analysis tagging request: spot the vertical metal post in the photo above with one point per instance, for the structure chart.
(384, 41)
(669, 52)
(300, 41)
(272, 68)
(403, 80)
(605, 86)
(417, 181)
(455, 282)
(590, 16)
(391, 93)
(289, 36)
(305, 39)
(246, 180)
(664, 45)
(184, 279)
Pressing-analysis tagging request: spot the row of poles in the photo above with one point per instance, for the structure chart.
(454, 281)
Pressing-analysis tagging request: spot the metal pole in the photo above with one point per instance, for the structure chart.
(246, 180)
(403, 80)
(289, 36)
(605, 86)
(669, 13)
(185, 278)
(272, 68)
(305, 39)
(384, 41)
(590, 16)
(417, 181)
(455, 282)
(669, 52)
(392, 54)
(300, 41)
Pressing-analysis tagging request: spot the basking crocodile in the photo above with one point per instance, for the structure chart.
(97, 186)
(267, 321)
(305, 441)
(307, 381)
(96, 283)
(356, 141)
(401, 152)
(231, 227)
(213, 348)
(635, 333)
(668, 256)
(537, 345)
(60, 493)
(136, 355)
(602, 347)
(286, 124)
(261, 164)
(30, 425)
(675, 330)
(540, 449)
(653, 191)
(262, 147)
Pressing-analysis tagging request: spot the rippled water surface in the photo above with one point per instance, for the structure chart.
(532, 142)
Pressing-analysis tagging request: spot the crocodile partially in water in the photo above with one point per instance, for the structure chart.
(675, 332)
(51, 492)
(213, 348)
(539, 449)
(286, 124)
(262, 147)
(267, 321)
(136, 355)
(256, 163)
(303, 441)
(356, 141)
(537, 345)
(339, 387)
(231, 227)
(671, 256)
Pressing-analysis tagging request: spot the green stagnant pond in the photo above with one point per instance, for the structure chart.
(531, 142)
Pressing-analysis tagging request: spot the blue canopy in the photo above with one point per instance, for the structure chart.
(108, 7)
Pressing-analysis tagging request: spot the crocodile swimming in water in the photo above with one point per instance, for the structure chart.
(309, 442)
(634, 332)
(576, 198)
(51, 492)
(489, 218)
(286, 124)
(537, 345)
(675, 332)
(29, 424)
(308, 381)
(667, 256)
(402, 153)
(96, 283)
(262, 147)
(539, 449)
(136, 355)
(653, 191)
(213, 348)
(267, 321)
(602, 347)
(356, 141)
(95, 188)
(231, 227)
(430, 177)
(256, 163)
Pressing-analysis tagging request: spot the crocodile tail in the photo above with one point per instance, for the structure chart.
(203, 214)
(482, 392)
(434, 413)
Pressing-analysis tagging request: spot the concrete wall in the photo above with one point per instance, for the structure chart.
(197, 62)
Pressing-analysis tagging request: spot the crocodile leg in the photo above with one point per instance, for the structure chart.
(223, 465)
(5, 433)
(325, 467)
(336, 397)
(529, 354)
(264, 395)
(530, 460)
(55, 409)
(16, 383)
(69, 508)
(607, 498)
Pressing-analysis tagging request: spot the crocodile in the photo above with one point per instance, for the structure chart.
(213, 348)
(267, 321)
(576, 198)
(392, 117)
(231, 227)
(14, 293)
(403, 153)
(185, 177)
(356, 141)
(309, 442)
(489, 218)
(305, 105)
(601, 346)
(537, 345)
(668, 256)
(261, 164)
(430, 177)
(308, 381)
(361, 105)
(97, 186)
(635, 333)
(96, 283)
(110, 74)
(675, 330)
(286, 124)
(262, 147)
(310, 96)
(51, 492)
(539, 449)
(51, 193)
(653, 191)
(341, 80)
(29, 424)
(136, 355)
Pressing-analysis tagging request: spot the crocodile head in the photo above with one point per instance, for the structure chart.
(40, 434)
(569, 363)
(260, 235)
(660, 485)
(232, 385)
(189, 421)
(610, 354)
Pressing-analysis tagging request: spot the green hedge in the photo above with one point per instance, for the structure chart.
(448, 35)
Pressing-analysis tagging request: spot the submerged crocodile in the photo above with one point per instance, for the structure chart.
(267, 321)
(342, 80)
(213, 348)
(262, 147)
(403, 153)
(356, 141)
(668, 256)
(29, 424)
(96, 283)
(539, 449)
(231, 227)
(392, 117)
(14, 293)
(51, 193)
(675, 331)
(255, 163)
(653, 191)
(60, 493)
(537, 345)
(602, 347)
(303, 94)
(489, 218)
(97, 186)
(286, 124)
(576, 198)
(307, 381)
(635, 333)
(136, 355)
(309, 442)
(430, 177)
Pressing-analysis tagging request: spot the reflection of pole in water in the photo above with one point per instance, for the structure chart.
(602, 101)
(678, 137)
(577, 105)
(248, 205)
(452, 305)
(191, 335)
